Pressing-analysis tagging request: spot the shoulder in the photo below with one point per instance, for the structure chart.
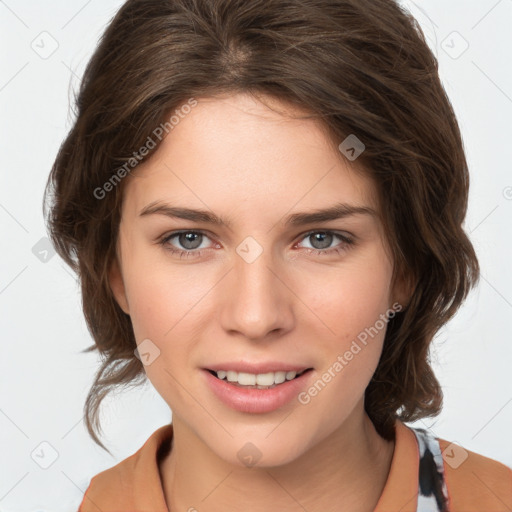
(118, 488)
(475, 482)
(112, 486)
(109, 485)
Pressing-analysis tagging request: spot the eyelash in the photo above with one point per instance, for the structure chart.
(346, 243)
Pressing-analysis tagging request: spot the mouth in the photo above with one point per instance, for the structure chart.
(267, 380)
(257, 393)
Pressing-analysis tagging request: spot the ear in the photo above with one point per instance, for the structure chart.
(116, 282)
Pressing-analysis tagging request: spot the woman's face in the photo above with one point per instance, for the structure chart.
(265, 288)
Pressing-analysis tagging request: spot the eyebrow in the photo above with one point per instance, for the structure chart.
(337, 211)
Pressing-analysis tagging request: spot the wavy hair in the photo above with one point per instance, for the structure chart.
(360, 67)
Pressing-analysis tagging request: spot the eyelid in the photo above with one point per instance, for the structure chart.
(172, 234)
(345, 237)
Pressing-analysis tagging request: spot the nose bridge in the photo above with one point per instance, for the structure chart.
(257, 301)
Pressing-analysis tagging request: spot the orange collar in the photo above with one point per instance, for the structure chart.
(135, 484)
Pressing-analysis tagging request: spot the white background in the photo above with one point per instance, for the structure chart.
(45, 377)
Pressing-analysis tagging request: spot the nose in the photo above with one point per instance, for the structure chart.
(256, 299)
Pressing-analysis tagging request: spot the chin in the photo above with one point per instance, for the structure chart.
(260, 451)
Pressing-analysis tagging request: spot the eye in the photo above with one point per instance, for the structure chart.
(322, 240)
(191, 242)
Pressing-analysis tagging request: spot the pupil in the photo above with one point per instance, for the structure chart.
(325, 240)
(189, 240)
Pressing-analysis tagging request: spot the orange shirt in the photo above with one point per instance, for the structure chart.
(473, 483)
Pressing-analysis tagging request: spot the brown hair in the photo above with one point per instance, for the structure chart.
(359, 66)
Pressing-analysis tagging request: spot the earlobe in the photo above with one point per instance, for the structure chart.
(117, 286)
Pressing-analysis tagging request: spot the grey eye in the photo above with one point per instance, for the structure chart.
(190, 240)
(320, 240)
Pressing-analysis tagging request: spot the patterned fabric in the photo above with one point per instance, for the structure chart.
(432, 492)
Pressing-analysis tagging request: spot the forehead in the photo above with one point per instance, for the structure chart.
(233, 151)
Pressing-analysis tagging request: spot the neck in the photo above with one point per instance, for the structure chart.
(345, 471)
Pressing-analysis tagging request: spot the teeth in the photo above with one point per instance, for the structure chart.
(251, 379)
(290, 375)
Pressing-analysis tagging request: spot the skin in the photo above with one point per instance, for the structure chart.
(235, 157)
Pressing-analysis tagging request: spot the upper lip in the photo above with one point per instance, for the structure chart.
(257, 368)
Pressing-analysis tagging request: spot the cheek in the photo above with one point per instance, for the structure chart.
(350, 348)
(160, 292)
(344, 300)
(162, 311)
(167, 306)
(150, 307)
(347, 325)
(161, 303)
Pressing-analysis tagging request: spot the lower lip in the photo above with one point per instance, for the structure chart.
(257, 400)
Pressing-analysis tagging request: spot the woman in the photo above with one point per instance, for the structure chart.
(264, 201)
